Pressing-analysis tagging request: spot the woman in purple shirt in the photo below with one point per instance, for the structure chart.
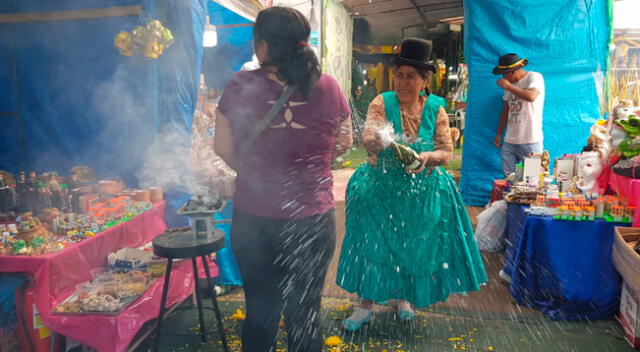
(283, 230)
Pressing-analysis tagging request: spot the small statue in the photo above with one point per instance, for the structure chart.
(74, 192)
(623, 110)
(573, 187)
(630, 145)
(600, 140)
(544, 161)
(630, 124)
(5, 195)
(55, 191)
(31, 192)
(21, 192)
(589, 169)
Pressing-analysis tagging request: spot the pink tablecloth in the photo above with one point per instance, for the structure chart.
(628, 188)
(57, 274)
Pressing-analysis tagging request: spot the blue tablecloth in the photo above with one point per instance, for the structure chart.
(562, 268)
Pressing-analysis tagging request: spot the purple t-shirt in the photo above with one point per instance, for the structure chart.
(287, 170)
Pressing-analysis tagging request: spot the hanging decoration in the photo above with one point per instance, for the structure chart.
(150, 40)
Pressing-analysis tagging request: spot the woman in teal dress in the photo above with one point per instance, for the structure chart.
(408, 236)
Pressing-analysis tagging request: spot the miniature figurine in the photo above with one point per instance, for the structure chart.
(589, 169)
(600, 141)
(21, 192)
(5, 195)
(544, 161)
(55, 192)
(31, 194)
(74, 191)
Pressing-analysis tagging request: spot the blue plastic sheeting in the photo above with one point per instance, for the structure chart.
(67, 97)
(234, 46)
(9, 283)
(565, 40)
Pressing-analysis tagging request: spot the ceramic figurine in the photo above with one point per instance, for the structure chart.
(600, 140)
(55, 191)
(589, 169)
(544, 161)
(32, 196)
(624, 109)
(21, 192)
(5, 195)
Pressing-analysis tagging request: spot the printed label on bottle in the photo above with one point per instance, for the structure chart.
(414, 165)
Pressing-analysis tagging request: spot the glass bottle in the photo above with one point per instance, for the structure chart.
(406, 155)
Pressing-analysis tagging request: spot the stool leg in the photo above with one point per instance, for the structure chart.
(163, 301)
(203, 335)
(214, 299)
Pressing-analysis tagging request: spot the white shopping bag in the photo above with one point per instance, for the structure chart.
(490, 232)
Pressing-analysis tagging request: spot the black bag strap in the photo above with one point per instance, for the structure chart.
(262, 125)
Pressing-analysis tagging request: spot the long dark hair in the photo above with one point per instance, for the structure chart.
(286, 32)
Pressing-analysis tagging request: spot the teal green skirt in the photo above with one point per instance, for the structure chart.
(407, 237)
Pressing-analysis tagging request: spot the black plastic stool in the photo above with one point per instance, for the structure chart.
(185, 245)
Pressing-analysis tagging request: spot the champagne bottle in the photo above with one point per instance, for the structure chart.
(406, 155)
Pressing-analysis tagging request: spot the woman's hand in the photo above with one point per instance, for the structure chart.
(372, 142)
(424, 158)
(497, 141)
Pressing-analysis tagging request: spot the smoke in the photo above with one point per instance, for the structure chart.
(166, 163)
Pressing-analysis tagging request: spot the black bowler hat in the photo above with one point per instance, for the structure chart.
(414, 52)
(508, 63)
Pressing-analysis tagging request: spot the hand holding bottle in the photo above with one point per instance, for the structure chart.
(423, 158)
(372, 143)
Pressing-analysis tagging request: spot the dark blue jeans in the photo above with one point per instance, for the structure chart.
(283, 265)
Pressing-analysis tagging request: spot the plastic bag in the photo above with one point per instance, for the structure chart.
(490, 232)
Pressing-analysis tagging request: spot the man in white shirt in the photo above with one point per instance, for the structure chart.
(522, 112)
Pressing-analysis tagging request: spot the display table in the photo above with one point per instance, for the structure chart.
(497, 190)
(57, 274)
(562, 268)
(628, 188)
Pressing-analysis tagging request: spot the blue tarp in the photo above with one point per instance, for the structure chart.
(235, 35)
(67, 97)
(565, 40)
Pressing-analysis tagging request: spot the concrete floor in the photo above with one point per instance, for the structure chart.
(488, 320)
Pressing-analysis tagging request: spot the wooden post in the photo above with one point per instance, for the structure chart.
(70, 15)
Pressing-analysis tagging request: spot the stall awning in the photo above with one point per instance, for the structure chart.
(246, 8)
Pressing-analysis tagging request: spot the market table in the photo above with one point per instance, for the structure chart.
(628, 188)
(497, 190)
(57, 274)
(562, 268)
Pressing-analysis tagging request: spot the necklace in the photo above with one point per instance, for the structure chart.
(412, 111)
(410, 115)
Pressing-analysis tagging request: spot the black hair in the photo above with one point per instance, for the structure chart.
(286, 32)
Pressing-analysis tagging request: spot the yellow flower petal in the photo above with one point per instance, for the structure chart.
(333, 341)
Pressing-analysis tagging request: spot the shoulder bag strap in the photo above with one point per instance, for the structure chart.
(262, 125)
